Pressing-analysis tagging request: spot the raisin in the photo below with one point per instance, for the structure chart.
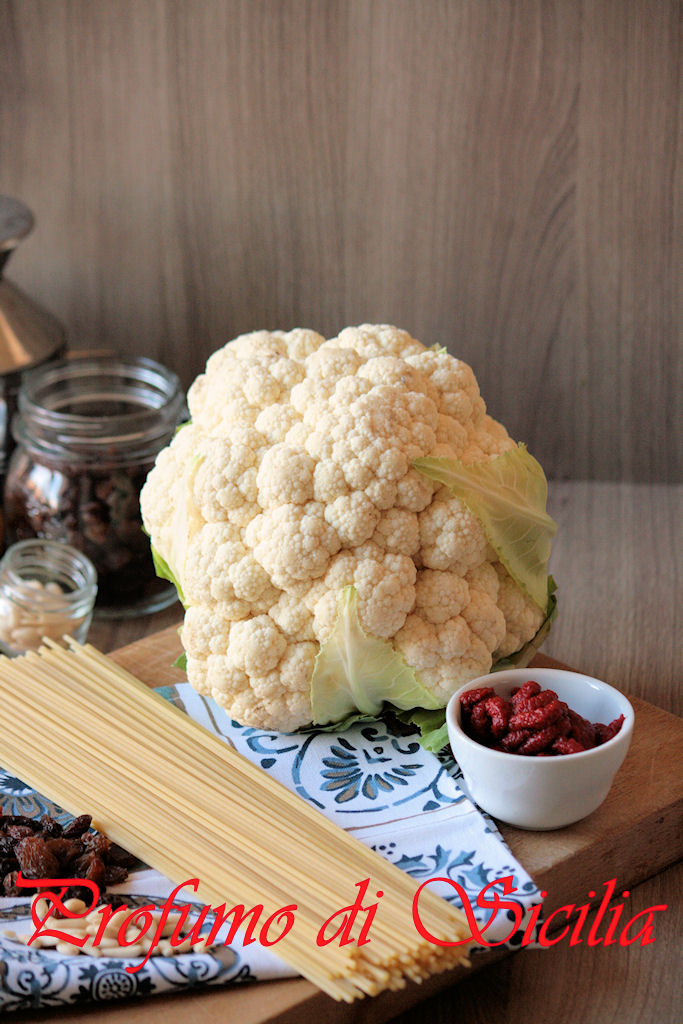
(114, 874)
(7, 846)
(114, 900)
(21, 819)
(10, 887)
(78, 826)
(95, 842)
(65, 850)
(90, 866)
(18, 831)
(117, 855)
(50, 827)
(35, 859)
(78, 892)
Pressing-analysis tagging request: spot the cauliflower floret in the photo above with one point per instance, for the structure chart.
(285, 477)
(440, 596)
(445, 655)
(213, 554)
(275, 422)
(353, 517)
(292, 542)
(455, 383)
(399, 531)
(378, 340)
(386, 590)
(300, 343)
(293, 617)
(281, 696)
(485, 619)
(523, 618)
(451, 537)
(256, 645)
(226, 478)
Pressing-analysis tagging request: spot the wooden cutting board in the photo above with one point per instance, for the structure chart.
(635, 834)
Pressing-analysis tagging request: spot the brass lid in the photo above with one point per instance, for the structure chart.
(28, 333)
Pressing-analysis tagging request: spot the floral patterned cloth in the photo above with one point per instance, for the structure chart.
(409, 805)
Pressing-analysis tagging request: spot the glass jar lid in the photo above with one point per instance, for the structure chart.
(99, 408)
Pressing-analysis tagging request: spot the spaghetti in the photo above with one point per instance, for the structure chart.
(189, 805)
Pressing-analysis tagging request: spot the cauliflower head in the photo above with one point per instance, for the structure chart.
(303, 476)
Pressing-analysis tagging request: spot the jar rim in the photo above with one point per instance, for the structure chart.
(150, 393)
(53, 560)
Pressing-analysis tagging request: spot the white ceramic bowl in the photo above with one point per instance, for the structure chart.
(543, 792)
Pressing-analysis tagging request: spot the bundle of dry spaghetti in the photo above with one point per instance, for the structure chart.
(90, 736)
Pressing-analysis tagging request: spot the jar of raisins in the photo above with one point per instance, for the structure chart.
(88, 431)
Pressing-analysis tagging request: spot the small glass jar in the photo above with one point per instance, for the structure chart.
(47, 588)
(88, 432)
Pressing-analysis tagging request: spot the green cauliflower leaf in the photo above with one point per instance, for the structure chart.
(355, 672)
(508, 495)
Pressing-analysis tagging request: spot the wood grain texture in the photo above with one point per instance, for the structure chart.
(617, 558)
(636, 833)
(496, 176)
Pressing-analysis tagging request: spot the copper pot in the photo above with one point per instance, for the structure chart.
(29, 335)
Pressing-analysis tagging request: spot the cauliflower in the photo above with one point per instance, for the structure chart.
(346, 526)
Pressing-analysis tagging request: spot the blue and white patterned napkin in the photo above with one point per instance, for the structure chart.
(402, 801)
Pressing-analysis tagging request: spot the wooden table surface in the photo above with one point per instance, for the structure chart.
(617, 560)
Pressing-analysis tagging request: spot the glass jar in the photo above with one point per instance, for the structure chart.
(47, 588)
(87, 433)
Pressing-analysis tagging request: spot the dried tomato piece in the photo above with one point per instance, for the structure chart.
(514, 739)
(539, 741)
(582, 730)
(564, 745)
(498, 710)
(472, 697)
(608, 732)
(530, 689)
(480, 722)
(540, 718)
(532, 722)
(539, 701)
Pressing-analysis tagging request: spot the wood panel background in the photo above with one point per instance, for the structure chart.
(500, 176)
